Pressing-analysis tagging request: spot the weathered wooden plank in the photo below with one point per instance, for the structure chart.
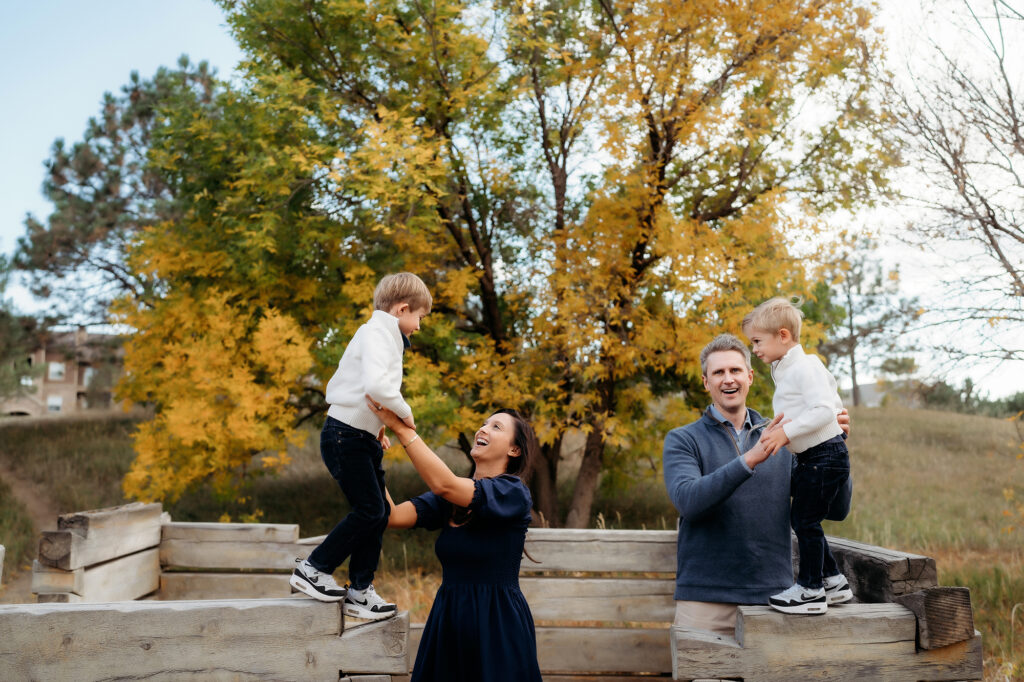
(600, 599)
(564, 549)
(91, 537)
(373, 647)
(944, 615)
(271, 639)
(49, 580)
(231, 532)
(851, 642)
(3, 551)
(315, 540)
(185, 554)
(603, 650)
(124, 579)
(183, 586)
(877, 574)
(567, 650)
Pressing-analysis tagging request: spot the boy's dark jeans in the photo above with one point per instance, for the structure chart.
(354, 457)
(820, 473)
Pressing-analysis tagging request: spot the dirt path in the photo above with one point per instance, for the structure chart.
(17, 588)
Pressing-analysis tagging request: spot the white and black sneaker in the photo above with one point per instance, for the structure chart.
(799, 599)
(367, 604)
(316, 584)
(837, 589)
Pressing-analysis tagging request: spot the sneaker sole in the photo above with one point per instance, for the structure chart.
(359, 612)
(307, 589)
(840, 597)
(811, 609)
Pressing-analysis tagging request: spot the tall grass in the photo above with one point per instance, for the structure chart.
(15, 532)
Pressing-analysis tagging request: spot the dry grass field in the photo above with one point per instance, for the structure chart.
(925, 481)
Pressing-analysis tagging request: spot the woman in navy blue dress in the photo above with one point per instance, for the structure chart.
(480, 628)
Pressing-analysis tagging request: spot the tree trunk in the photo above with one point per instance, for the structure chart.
(545, 485)
(586, 482)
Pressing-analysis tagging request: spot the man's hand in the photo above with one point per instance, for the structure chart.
(774, 439)
(409, 422)
(755, 455)
(844, 421)
(385, 442)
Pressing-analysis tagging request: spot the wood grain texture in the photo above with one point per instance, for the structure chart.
(86, 538)
(944, 615)
(182, 585)
(600, 599)
(849, 643)
(218, 640)
(233, 532)
(230, 555)
(564, 549)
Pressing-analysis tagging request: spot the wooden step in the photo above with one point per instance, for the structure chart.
(851, 642)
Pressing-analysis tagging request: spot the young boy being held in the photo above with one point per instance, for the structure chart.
(352, 445)
(805, 392)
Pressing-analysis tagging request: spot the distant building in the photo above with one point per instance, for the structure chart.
(79, 371)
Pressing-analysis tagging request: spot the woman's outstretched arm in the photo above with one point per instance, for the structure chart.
(402, 515)
(434, 472)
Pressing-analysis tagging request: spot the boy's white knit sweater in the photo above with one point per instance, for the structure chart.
(807, 393)
(371, 364)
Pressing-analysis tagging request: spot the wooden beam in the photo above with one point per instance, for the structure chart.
(569, 650)
(229, 555)
(565, 549)
(603, 650)
(181, 586)
(49, 580)
(217, 640)
(124, 579)
(944, 615)
(879, 575)
(600, 599)
(850, 643)
(87, 538)
(232, 532)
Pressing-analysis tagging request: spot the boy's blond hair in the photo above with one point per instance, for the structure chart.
(402, 287)
(775, 314)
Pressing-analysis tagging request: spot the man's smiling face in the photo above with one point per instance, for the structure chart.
(728, 380)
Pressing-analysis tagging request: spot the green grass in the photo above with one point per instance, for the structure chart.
(15, 533)
(924, 481)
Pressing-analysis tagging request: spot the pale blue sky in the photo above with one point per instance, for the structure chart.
(58, 57)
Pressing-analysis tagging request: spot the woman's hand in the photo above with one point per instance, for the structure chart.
(391, 420)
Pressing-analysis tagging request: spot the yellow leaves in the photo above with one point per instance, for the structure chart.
(221, 376)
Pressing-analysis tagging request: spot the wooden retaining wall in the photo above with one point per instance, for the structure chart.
(602, 600)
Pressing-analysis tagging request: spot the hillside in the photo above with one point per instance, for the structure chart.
(924, 481)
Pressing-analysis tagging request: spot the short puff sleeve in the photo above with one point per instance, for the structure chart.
(432, 511)
(502, 498)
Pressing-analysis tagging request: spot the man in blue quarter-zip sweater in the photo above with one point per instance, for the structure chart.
(732, 498)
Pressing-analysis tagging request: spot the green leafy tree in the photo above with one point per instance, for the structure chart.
(104, 191)
(18, 336)
(591, 192)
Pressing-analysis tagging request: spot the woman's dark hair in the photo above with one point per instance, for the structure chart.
(524, 439)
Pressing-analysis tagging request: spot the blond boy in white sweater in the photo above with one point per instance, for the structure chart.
(806, 395)
(352, 446)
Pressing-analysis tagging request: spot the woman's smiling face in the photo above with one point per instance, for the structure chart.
(493, 442)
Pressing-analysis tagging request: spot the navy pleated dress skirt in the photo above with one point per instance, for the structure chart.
(480, 628)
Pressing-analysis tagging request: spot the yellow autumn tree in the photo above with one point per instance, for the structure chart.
(590, 189)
